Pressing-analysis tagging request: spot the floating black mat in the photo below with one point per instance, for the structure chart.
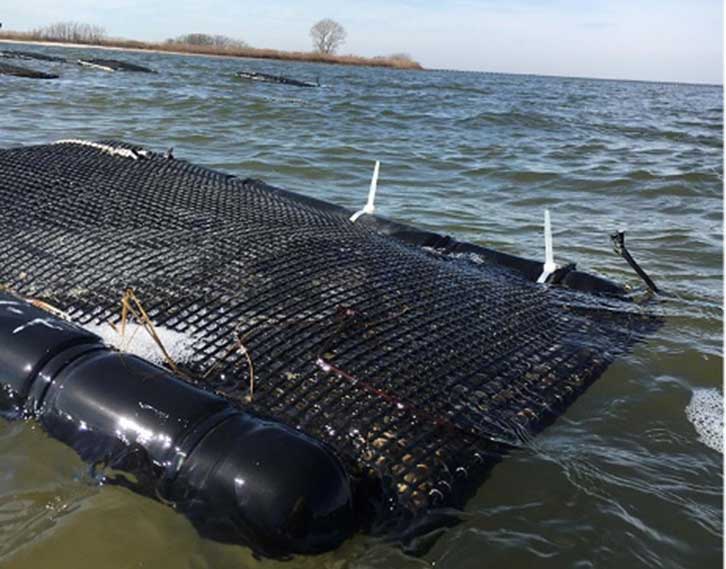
(416, 367)
(267, 78)
(18, 54)
(113, 65)
(6, 69)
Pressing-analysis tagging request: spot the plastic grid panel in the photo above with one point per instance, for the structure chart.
(409, 365)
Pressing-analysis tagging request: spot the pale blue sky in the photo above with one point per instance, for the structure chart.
(667, 40)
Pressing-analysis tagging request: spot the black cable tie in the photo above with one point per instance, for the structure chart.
(618, 239)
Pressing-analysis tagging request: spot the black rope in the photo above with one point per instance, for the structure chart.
(618, 239)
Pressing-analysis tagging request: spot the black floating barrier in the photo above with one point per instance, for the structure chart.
(113, 65)
(567, 275)
(279, 79)
(238, 477)
(7, 69)
(18, 54)
(418, 360)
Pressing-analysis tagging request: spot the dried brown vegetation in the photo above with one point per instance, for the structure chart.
(395, 62)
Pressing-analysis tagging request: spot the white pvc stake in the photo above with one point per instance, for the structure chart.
(369, 207)
(549, 264)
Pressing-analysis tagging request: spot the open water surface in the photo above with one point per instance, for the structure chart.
(624, 479)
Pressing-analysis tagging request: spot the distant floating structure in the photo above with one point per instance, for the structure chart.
(94, 62)
(7, 69)
(18, 54)
(113, 65)
(279, 79)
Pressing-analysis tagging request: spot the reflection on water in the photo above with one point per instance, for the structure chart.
(624, 478)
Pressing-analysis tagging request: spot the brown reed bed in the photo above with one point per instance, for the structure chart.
(394, 62)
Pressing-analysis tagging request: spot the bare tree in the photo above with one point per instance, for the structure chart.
(72, 32)
(328, 35)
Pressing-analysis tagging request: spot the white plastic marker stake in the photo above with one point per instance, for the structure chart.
(549, 264)
(371, 195)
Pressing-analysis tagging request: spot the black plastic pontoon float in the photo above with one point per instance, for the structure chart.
(344, 376)
(277, 79)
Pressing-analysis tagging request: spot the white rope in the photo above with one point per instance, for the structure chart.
(369, 207)
(549, 264)
(113, 151)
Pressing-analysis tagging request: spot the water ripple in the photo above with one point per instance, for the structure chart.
(622, 479)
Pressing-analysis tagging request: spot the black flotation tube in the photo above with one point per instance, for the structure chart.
(567, 275)
(416, 359)
(18, 54)
(238, 477)
(7, 69)
(113, 65)
(279, 79)
(95, 62)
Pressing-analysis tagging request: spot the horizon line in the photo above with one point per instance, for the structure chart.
(45, 43)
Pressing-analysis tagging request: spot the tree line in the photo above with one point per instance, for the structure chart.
(74, 32)
(208, 40)
(327, 37)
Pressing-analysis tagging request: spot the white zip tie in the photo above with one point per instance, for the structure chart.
(369, 207)
(549, 264)
(123, 152)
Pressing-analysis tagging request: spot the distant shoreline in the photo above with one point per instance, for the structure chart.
(246, 52)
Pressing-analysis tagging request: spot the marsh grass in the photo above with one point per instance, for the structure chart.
(399, 61)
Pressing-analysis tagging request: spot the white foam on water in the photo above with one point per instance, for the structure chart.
(139, 342)
(705, 412)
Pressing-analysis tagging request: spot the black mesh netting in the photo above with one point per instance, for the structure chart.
(406, 362)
